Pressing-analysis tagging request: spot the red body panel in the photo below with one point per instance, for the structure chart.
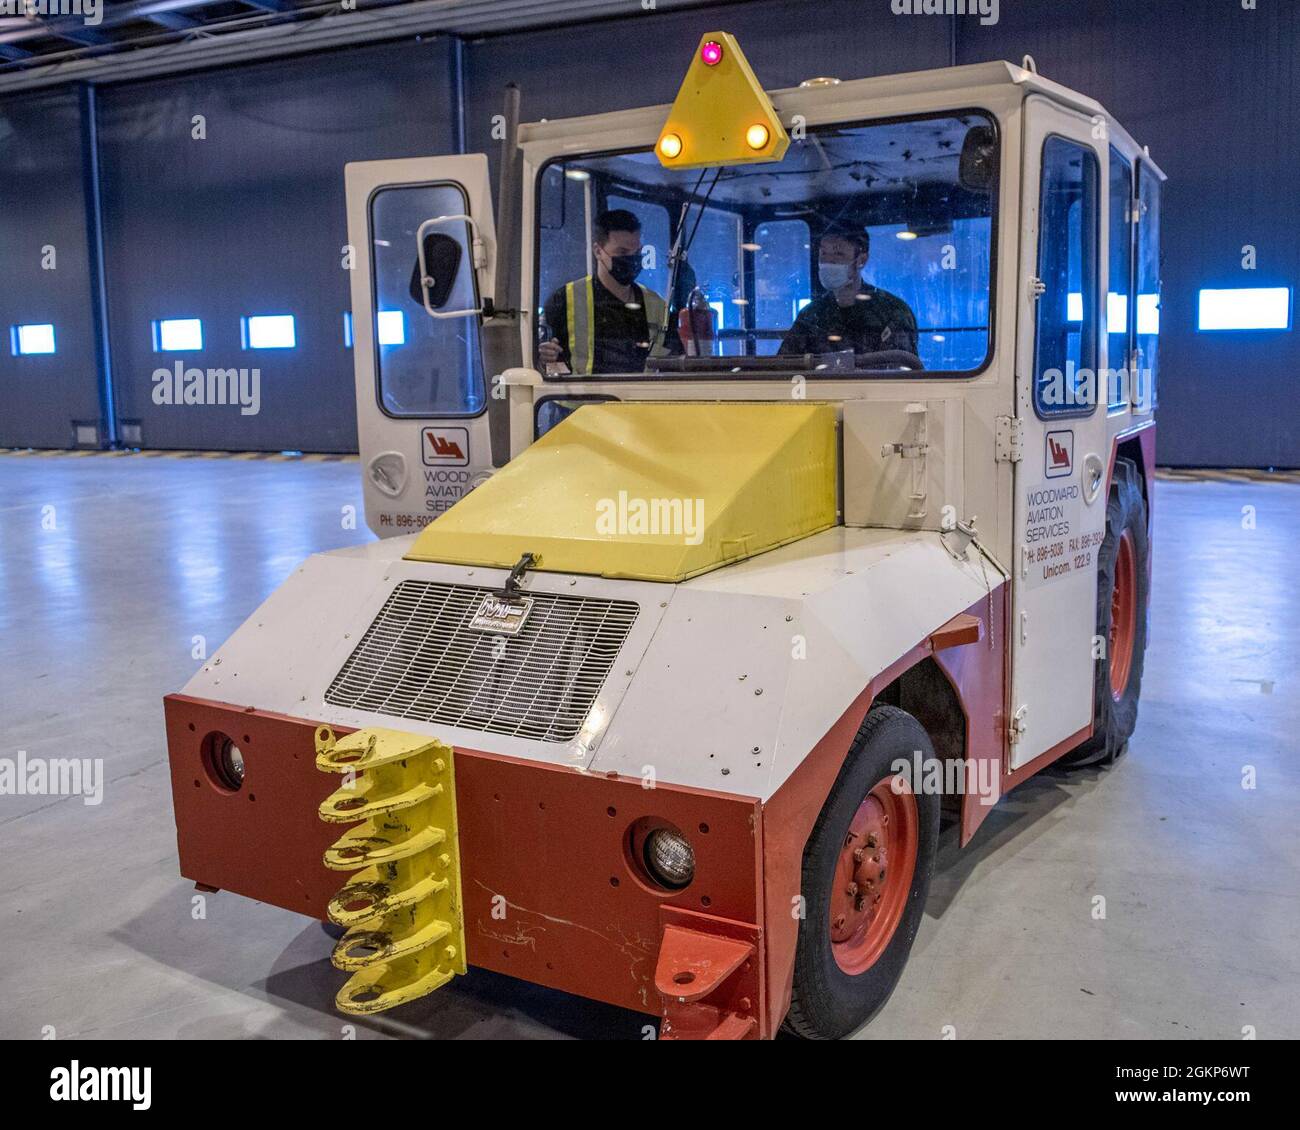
(550, 841)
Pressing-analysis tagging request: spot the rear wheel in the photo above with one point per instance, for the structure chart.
(1123, 583)
(866, 873)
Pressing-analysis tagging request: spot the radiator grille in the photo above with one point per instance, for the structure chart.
(420, 660)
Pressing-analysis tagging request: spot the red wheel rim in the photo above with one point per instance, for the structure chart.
(1123, 615)
(873, 875)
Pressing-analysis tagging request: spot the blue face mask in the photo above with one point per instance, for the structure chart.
(833, 276)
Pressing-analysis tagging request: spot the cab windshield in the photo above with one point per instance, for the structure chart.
(866, 251)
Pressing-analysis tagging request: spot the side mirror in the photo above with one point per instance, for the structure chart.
(978, 167)
(442, 256)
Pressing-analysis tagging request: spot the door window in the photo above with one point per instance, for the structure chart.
(1119, 290)
(433, 368)
(1065, 348)
(1148, 288)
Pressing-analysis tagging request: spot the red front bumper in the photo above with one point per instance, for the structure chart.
(550, 893)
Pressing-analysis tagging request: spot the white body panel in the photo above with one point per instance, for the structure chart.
(680, 701)
(406, 483)
(808, 625)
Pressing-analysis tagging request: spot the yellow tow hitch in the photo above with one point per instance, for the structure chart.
(402, 910)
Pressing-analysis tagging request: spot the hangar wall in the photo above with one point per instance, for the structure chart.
(251, 219)
(1214, 90)
(44, 247)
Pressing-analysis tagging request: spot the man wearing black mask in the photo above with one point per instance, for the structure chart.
(606, 323)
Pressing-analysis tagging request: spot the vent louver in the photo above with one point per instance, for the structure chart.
(421, 660)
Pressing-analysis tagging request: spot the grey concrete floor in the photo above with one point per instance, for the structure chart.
(99, 617)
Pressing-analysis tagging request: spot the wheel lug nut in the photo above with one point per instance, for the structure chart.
(852, 889)
(858, 855)
(871, 841)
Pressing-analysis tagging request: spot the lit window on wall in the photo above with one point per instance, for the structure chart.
(30, 339)
(1116, 313)
(1244, 308)
(347, 329)
(268, 331)
(391, 327)
(177, 335)
(1074, 307)
(1149, 314)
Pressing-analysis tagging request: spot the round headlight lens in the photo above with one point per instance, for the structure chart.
(228, 763)
(669, 857)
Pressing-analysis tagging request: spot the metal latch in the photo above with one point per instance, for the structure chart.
(1010, 439)
(510, 590)
(914, 450)
(1018, 725)
(1037, 288)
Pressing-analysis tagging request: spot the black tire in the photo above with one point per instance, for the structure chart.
(827, 1003)
(1113, 719)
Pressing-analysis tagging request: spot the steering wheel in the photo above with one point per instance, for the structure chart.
(888, 359)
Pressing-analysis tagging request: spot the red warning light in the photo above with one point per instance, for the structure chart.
(711, 53)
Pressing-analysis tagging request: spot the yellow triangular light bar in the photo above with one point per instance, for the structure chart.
(722, 115)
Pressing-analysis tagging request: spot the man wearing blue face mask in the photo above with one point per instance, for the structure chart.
(606, 323)
(851, 314)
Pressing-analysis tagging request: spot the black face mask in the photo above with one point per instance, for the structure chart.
(625, 268)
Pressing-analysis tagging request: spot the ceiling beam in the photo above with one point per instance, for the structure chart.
(175, 21)
(340, 28)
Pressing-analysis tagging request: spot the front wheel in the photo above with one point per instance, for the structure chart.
(866, 873)
(1123, 584)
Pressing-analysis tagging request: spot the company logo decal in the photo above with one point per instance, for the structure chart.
(1059, 456)
(445, 447)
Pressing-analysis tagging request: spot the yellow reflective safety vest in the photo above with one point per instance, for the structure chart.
(580, 305)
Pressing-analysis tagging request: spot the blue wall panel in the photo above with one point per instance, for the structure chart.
(41, 160)
(251, 220)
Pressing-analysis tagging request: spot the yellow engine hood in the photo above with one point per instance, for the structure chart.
(655, 492)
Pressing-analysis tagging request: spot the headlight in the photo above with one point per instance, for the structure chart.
(232, 762)
(224, 761)
(669, 857)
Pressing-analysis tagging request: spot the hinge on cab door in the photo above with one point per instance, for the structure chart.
(1010, 439)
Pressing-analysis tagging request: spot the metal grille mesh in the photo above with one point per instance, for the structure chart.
(420, 660)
